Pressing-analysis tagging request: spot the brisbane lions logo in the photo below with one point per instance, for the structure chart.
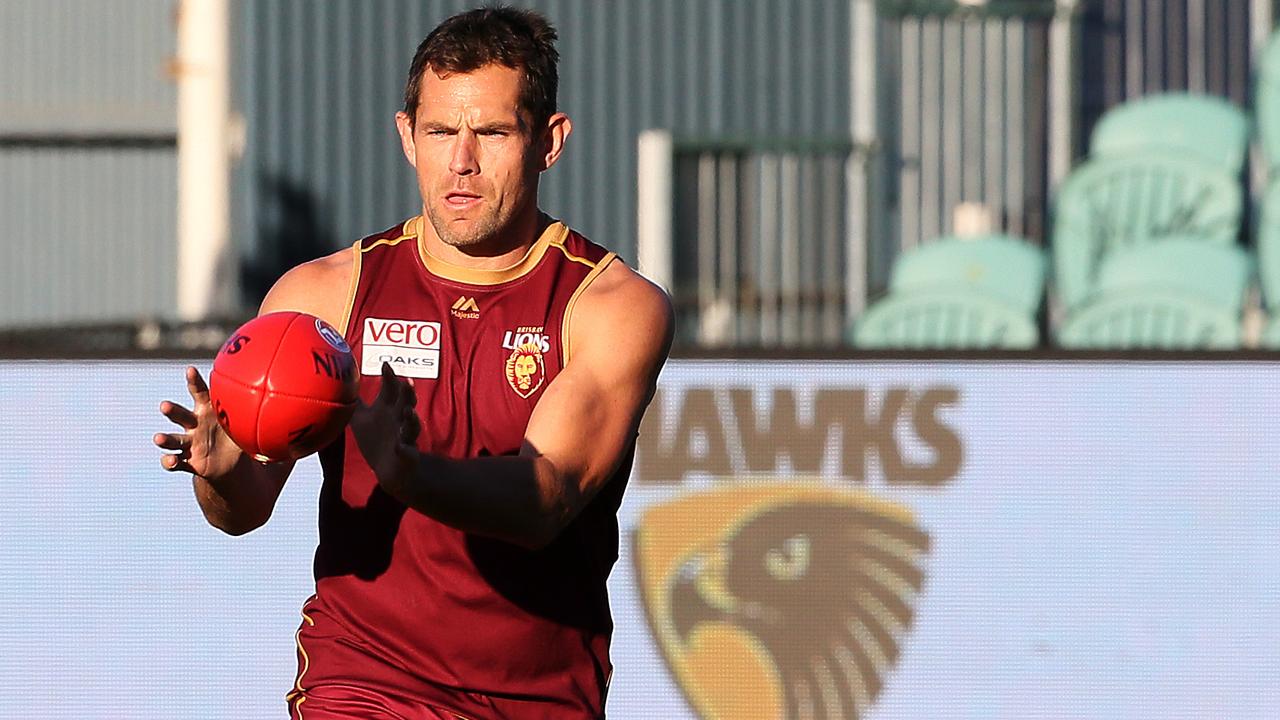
(780, 601)
(525, 369)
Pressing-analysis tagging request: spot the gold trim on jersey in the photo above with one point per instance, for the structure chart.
(357, 253)
(297, 694)
(407, 232)
(554, 235)
(596, 269)
(559, 244)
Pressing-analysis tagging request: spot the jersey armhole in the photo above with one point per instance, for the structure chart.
(356, 254)
(573, 301)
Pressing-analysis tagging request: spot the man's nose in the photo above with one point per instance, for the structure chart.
(464, 161)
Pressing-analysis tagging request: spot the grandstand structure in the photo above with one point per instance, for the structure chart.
(776, 166)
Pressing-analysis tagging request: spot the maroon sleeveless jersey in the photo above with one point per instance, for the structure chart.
(408, 606)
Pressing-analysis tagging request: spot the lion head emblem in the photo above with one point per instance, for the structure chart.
(525, 369)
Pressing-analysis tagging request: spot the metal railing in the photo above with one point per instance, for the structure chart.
(755, 246)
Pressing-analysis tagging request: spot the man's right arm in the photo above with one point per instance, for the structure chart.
(236, 493)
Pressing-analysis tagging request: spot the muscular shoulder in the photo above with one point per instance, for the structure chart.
(319, 287)
(622, 311)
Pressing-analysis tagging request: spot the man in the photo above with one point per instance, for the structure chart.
(468, 517)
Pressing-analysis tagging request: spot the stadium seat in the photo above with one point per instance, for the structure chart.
(1271, 334)
(1107, 204)
(1201, 126)
(1003, 267)
(1267, 101)
(944, 319)
(1150, 319)
(1218, 274)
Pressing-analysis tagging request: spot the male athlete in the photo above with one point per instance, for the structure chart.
(468, 515)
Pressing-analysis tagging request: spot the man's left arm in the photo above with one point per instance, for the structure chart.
(580, 430)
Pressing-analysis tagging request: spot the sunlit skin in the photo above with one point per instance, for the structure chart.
(478, 157)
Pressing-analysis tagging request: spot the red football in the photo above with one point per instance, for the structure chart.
(284, 385)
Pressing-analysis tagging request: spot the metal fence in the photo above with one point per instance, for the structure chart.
(948, 106)
(760, 253)
(87, 161)
(980, 111)
(88, 234)
(319, 83)
(1131, 48)
(967, 101)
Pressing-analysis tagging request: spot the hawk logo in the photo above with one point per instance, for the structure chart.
(465, 308)
(779, 601)
(525, 369)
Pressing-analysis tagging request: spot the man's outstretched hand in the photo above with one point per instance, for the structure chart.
(202, 448)
(386, 431)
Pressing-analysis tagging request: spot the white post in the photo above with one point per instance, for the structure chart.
(203, 157)
(1261, 27)
(655, 178)
(1062, 63)
(862, 128)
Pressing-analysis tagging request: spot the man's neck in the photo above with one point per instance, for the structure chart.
(503, 251)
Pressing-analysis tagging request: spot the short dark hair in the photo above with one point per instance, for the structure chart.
(497, 35)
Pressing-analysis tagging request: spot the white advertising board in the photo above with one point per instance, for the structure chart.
(800, 539)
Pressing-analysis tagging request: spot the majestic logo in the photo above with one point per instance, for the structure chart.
(412, 347)
(526, 369)
(465, 308)
(781, 600)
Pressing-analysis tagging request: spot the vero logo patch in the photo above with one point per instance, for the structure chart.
(412, 347)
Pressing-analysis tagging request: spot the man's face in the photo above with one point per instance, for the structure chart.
(476, 156)
(526, 366)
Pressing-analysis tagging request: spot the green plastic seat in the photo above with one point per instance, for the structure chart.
(1201, 126)
(1108, 204)
(1218, 274)
(953, 318)
(1267, 102)
(1001, 266)
(1271, 334)
(1268, 242)
(1152, 320)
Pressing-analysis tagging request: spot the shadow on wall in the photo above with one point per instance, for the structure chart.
(290, 233)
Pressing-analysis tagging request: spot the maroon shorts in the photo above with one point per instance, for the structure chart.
(340, 678)
(336, 702)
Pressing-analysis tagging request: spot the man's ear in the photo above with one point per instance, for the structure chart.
(404, 126)
(557, 131)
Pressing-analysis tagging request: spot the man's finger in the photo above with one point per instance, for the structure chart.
(171, 442)
(175, 463)
(389, 393)
(179, 414)
(409, 395)
(196, 386)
